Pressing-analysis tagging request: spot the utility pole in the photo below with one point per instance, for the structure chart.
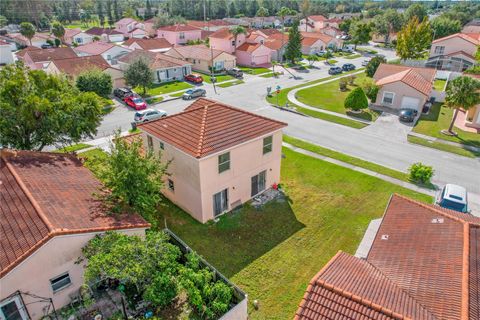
(212, 78)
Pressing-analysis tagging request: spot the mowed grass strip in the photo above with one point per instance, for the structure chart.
(444, 147)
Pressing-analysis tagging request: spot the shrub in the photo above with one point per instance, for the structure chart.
(57, 42)
(351, 80)
(95, 81)
(342, 83)
(373, 64)
(371, 90)
(421, 173)
(356, 100)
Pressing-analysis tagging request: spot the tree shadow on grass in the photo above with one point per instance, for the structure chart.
(239, 237)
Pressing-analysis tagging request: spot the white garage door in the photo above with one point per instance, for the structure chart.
(410, 102)
(261, 59)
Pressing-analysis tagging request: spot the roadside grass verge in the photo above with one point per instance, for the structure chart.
(443, 146)
(154, 100)
(163, 88)
(73, 148)
(353, 56)
(254, 71)
(229, 84)
(219, 78)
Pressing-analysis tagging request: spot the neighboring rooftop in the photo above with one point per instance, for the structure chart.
(77, 65)
(249, 47)
(97, 31)
(178, 28)
(44, 195)
(420, 79)
(94, 48)
(208, 126)
(156, 60)
(423, 264)
(149, 44)
(205, 24)
(318, 18)
(470, 37)
(317, 35)
(43, 55)
(223, 33)
(126, 21)
(197, 52)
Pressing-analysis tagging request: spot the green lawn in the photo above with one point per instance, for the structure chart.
(439, 84)
(229, 84)
(353, 56)
(73, 148)
(329, 97)
(178, 94)
(273, 253)
(255, 71)
(219, 78)
(154, 100)
(163, 88)
(270, 75)
(444, 147)
(439, 119)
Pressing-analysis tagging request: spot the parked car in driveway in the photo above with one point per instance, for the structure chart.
(122, 93)
(194, 93)
(136, 102)
(335, 70)
(235, 72)
(348, 67)
(453, 197)
(148, 115)
(195, 78)
(321, 53)
(46, 46)
(365, 62)
(407, 114)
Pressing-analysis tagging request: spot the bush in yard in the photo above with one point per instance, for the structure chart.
(421, 173)
(351, 80)
(138, 73)
(95, 81)
(373, 64)
(162, 290)
(371, 90)
(342, 84)
(356, 100)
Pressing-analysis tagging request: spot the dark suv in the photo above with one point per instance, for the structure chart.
(348, 67)
(335, 70)
(235, 72)
(122, 93)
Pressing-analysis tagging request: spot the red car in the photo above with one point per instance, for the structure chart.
(194, 78)
(135, 102)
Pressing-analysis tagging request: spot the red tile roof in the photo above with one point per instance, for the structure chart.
(97, 47)
(317, 35)
(464, 36)
(317, 18)
(269, 32)
(96, 31)
(156, 60)
(423, 264)
(410, 77)
(249, 47)
(211, 23)
(198, 52)
(223, 33)
(149, 44)
(22, 52)
(43, 55)
(77, 65)
(274, 44)
(208, 126)
(45, 195)
(178, 28)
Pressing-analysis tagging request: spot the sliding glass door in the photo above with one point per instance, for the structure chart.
(220, 202)
(258, 183)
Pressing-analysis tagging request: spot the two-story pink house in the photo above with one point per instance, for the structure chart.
(130, 28)
(455, 52)
(220, 156)
(313, 23)
(179, 33)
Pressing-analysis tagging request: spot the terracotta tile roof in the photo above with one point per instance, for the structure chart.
(411, 78)
(223, 33)
(274, 44)
(126, 21)
(317, 18)
(309, 41)
(423, 264)
(50, 54)
(48, 194)
(198, 52)
(249, 47)
(269, 32)
(77, 65)
(385, 69)
(71, 32)
(94, 48)
(22, 52)
(474, 35)
(178, 28)
(205, 34)
(208, 126)
(96, 31)
(459, 35)
(211, 23)
(155, 59)
(317, 35)
(149, 44)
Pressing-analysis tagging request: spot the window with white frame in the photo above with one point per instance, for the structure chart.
(388, 97)
(60, 282)
(267, 144)
(223, 162)
(439, 49)
(182, 35)
(150, 143)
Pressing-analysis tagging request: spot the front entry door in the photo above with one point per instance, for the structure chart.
(258, 183)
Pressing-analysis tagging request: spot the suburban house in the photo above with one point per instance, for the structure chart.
(455, 52)
(402, 86)
(48, 215)
(221, 156)
(149, 27)
(39, 59)
(165, 68)
(105, 34)
(179, 33)
(201, 58)
(313, 23)
(422, 263)
(39, 39)
(73, 67)
(472, 27)
(76, 36)
(380, 38)
(130, 28)
(108, 51)
(224, 40)
(313, 42)
(6, 55)
(210, 25)
(253, 54)
(153, 45)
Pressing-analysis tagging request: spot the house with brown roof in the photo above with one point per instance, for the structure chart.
(313, 42)
(76, 36)
(403, 86)
(39, 39)
(179, 33)
(109, 51)
(165, 68)
(423, 263)
(131, 28)
(220, 156)
(48, 213)
(455, 52)
(472, 27)
(203, 58)
(313, 23)
(41, 58)
(153, 45)
(105, 34)
(210, 25)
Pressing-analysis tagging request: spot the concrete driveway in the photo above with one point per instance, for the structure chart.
(389, 127)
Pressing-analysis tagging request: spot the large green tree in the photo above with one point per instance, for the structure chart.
(262, 12)
(414, 39)
(27, 30)
(138, 73)
(356, 100)
(443, 26)
(389, 22)
(373, 64)
(416, 10)
(293, 51)
(361, 32)
(95, 81)
(58, 30)
(462, 93)
(236, 31)
(37, 110)
(305, 11)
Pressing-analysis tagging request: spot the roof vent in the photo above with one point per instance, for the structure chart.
(384, 236)
(437, 220)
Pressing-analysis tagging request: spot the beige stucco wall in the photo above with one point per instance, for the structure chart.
(473, 117)
(54, 258)
(453, 45)
(400, 90)
(196, 181)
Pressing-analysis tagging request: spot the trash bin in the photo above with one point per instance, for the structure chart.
(134, 126)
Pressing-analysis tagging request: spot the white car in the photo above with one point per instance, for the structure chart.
(453, 197)
(365, 62)
(149, 115)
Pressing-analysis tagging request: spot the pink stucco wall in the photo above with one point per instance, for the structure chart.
(400, 90)
(226, 44)
(54, 258)
(258, 57)
(174, 37)
(197, 180)
(454, 44)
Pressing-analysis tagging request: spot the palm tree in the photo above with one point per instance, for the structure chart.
(262, 12)
(284, 11)
(27, 30)
(236, 31)
(58, 30)
(305, 10)
(462, 93)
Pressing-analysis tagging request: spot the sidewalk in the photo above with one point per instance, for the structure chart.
(433, 139)
(291, 97)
